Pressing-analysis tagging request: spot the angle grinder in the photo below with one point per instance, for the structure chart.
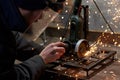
(79, 48)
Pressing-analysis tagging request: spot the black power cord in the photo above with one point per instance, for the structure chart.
(103, 16)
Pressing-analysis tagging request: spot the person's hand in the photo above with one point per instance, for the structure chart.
(52, 52)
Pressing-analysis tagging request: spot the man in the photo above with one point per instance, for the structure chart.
(17, 15)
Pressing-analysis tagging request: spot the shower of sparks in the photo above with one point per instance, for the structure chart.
(109, 8)
(91, 51)
(111, 11)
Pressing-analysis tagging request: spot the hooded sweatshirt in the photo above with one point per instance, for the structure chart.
(11, 19)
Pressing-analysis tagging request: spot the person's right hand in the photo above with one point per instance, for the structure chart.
(52, 52)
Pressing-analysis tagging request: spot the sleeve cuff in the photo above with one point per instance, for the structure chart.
(35, 66)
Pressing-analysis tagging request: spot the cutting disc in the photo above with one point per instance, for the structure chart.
(81, 47)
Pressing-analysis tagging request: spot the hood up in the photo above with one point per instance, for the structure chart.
(11, 17)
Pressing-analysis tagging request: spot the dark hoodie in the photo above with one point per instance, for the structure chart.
(11, 19)
(10, 16)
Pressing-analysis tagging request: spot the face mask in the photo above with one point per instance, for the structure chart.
(37, 28)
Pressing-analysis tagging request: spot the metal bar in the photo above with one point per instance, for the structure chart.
(112, 53)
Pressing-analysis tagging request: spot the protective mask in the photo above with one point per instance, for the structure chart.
(37, 28)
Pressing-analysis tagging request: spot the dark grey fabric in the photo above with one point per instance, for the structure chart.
(31, 68)
(26, 48)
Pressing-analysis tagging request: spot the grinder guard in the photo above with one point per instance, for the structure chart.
(81, 47)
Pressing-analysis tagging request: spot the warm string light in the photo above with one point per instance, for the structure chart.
(50, 15)
(66, 3)
(66, 11)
